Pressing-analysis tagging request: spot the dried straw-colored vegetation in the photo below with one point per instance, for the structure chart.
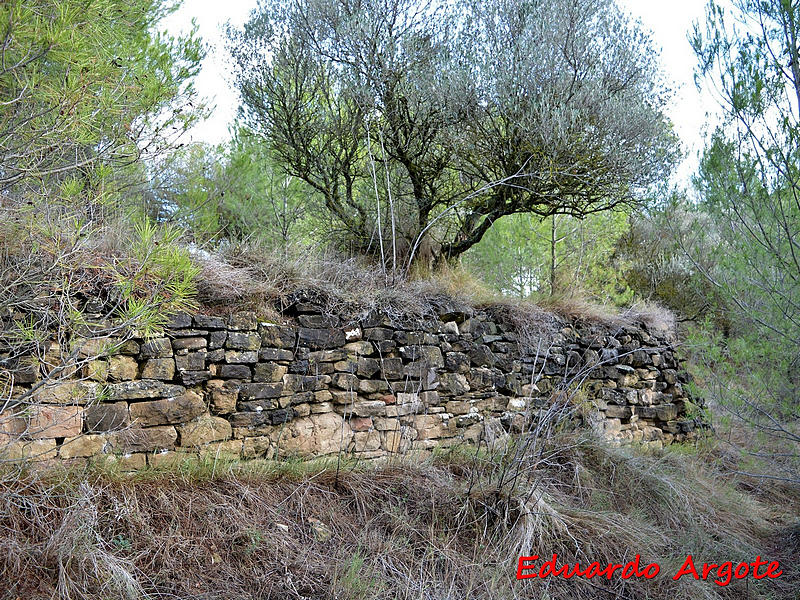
(250, 276)
(449, 527)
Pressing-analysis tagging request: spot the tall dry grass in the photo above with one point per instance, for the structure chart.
(446, 527)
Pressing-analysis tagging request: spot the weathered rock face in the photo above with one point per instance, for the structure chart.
(317, 385)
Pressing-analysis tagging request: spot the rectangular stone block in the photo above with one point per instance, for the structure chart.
(277, 336)
(158, 368)
(241, 356)
(122, 368)
(204, 430)
(83, 446)
(234, 372)
(368, 408)
(148, 439)
(270, 372)
(156, 348)
(255, 391)
(216, 339)
(238, 340)
(189, 343)
(321, 339)
(208, 322)
(106, 417)
(50, 422)
(242, 321)
(144, 389)
(35, 450)
(223, 395)
(170, 410)
(305, 383)
(193, 361)
(618, 412)
(270, 354)
(457, 407)
(67, 392)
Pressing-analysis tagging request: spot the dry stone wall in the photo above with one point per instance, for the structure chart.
(315, 385)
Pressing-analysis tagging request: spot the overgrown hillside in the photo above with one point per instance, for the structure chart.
(395, 157)
(450, 527)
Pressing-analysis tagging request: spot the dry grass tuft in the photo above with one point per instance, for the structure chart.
(436, 529)
(258, 278)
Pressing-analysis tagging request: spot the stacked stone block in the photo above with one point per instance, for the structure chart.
(315, 385)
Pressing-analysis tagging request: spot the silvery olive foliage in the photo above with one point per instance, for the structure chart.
(421, 124)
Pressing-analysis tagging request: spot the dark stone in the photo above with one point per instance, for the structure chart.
(367, 367)
(300, 367)
(156, 348)
(384, 346)
(235, 372)
(106, 417)
(305, 383)
(215, 356)
(179, 320)
(190, 378)
(255, 391)
(257, 405)
(640, 358)
(646, 412)
(249, 419)
(392, 368)
(190, 343)
(481, 356)
(409, 338)
(283, 415)
(301, 398)
(207, 322)
(321, 339)
(193, 361)
(378, 334)
(216, 339)
(177, 333)
(504, 362)
(318, 321)
(277, 336)
(505, 347)
(275, 354)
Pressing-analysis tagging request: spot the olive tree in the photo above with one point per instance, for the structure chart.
(421, 124)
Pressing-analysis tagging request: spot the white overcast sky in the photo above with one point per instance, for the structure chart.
(669, 21)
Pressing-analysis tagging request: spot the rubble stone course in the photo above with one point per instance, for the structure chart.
(317, 384)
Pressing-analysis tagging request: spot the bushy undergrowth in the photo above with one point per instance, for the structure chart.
(449, 527)
(73, 276)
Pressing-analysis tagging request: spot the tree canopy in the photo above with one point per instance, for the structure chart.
(85, 84)
(421, 124)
